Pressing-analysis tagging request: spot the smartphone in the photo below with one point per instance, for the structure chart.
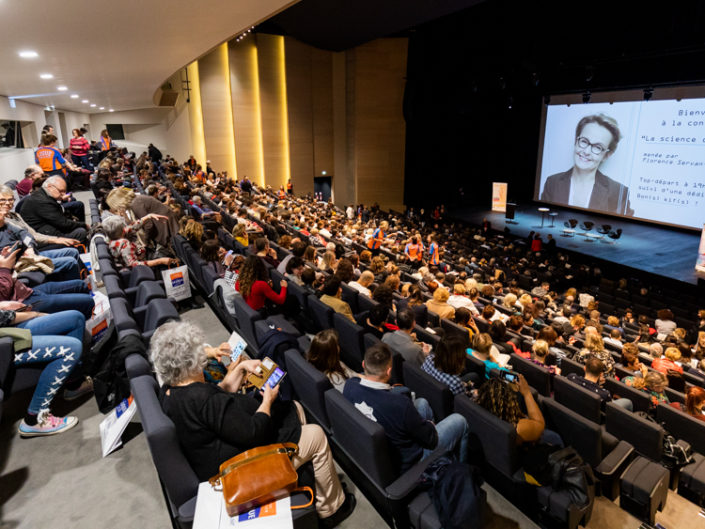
(237, 351)
(509, 376)
(277, 375)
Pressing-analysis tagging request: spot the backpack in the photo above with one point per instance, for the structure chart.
(110, 383)
(456, 493)
(676, 454)
(569, 473)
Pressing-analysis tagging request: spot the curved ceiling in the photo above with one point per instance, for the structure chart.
(114, 54)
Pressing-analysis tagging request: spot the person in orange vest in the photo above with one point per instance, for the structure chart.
(105, 140)
(414, 252)
(282, 194)
(378, 237)
(49, 158)
(198, 175)
(434, 252)
(290, 187)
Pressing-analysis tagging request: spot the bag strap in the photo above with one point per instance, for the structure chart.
(290, 449)
(302, 489)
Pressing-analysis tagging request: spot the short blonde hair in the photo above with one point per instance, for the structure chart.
(673, 354)
(509, 301)
(120, 199)
(525, 300)
(459, 289)
(613, 321)
(540, 348)
(441, 295)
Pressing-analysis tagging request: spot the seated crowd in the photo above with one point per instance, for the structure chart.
(417, 274)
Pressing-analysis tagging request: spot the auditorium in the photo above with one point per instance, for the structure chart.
(314, 263)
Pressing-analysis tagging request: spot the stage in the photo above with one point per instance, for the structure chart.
(660, 250)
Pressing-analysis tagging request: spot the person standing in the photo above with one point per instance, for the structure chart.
(78, 147)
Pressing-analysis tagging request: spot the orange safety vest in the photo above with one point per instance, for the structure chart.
(414, 251)
(105, 143)
(434, 253)
(376, 240)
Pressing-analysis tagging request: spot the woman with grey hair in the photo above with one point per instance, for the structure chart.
(216, 422)
(126, 253)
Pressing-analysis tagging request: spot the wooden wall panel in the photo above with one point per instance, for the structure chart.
(322, 98)
(247, 125)
(343, 174)
(379, 132)
(275, 132)
(216, 104)
(300, 113)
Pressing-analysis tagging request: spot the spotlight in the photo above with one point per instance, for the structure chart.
(648, 92)
(586, 96)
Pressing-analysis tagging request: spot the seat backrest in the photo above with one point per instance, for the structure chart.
(583, 401)
(310, 386)
(159, 311)
(453, 329)
(682, 426)
(575, 430)
(364, 303)
(425, 336)
(246, 318)
(640, 399)
(645, 436)
(175, 472)
(434, 391)
(321, 313)
(146, 292)
(497, 437)
(433, 319)
(421, 314)
(138, 274)
(569, 366)
(538, 377)
(351, 345)
(122, 314)
(363, 440)
(350, 296)
(369, 339)
(475, 365)
(299, 293)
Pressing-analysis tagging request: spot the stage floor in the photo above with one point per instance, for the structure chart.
(659, 250)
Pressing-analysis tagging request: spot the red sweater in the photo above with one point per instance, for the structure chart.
(261, 291)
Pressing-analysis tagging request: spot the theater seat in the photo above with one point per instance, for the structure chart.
(434, 391)
(310, 386)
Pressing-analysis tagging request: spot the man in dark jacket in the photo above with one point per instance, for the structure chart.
(42, 211)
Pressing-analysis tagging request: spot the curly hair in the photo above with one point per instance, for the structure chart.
(177, 352)
(500, 400)
(252, 270)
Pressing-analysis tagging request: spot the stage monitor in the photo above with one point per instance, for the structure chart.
(622, 155)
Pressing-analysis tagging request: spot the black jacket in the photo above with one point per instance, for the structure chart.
(46, 215)
(607, 194)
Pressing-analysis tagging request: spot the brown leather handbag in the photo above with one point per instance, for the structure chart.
(257, 476)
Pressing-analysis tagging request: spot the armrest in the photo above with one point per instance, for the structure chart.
(615, 459)
(140, 314)
(408, 481)
(187, 511)
(6, 358)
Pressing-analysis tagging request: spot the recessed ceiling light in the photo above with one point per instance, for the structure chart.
(74, 96)
(93, 105)
(62, 88)
(46, 76)
(28, 54)
(84, 101)
(102, 108)
(111, 110)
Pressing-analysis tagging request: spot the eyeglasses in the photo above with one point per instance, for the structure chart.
(6, 200)
(595, 148)
(62, 191)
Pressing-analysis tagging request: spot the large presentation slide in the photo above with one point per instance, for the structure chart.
(642, 159)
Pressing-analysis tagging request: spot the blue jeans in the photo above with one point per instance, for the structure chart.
(453, 431)
(57, 296)
(66, 265)
(56, 339)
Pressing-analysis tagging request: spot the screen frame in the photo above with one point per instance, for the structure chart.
(676, 93)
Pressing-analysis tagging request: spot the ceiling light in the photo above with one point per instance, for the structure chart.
(46, 76)
(62, 88)
(93, 105)
(74, 96)
(84, 101)
(102, 108)
(28, 54)
(111, 110)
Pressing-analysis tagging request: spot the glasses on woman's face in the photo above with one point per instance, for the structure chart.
(595, 148)
(6, 200)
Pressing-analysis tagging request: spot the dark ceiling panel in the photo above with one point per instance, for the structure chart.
(338, 25)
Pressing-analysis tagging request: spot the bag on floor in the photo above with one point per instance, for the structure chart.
(569, 473)
(176, 283)
(110, 383)
(456, 492)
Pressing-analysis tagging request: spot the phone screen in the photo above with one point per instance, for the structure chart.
(509, 376)
(275, 377)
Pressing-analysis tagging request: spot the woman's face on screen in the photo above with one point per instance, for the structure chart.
(591, 136)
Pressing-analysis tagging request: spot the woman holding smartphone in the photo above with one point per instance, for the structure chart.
(216, 422)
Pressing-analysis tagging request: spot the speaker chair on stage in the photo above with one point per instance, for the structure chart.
(587, 225)
(571, 223)
(614, 235)
(605, 229)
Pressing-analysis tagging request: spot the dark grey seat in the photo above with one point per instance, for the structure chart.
(351, 341)
(435, 392)
(583, 401)
(310, 386)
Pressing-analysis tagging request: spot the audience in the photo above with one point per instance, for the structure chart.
(404, 342)
(324, 355)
